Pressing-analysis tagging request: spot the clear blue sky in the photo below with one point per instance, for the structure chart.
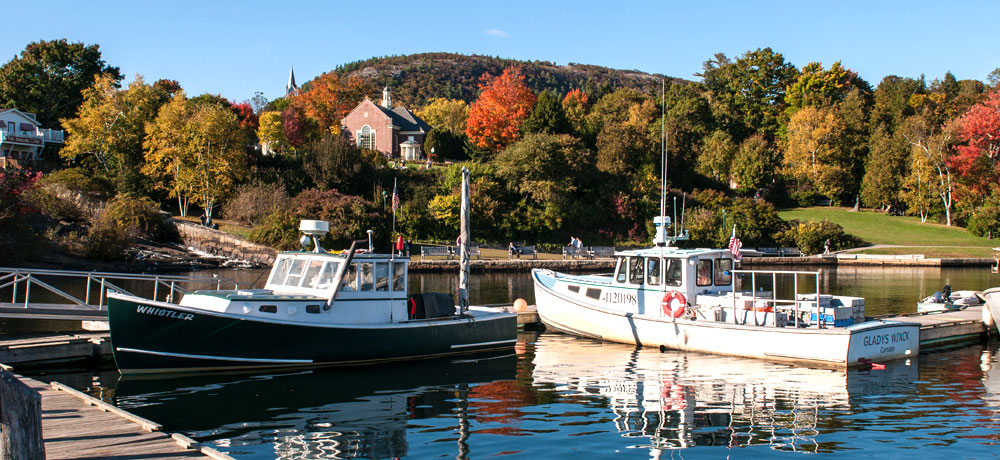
(235, 48)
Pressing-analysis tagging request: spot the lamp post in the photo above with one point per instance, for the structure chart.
(370, 248)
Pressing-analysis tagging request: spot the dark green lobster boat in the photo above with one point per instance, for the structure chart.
(317, 308)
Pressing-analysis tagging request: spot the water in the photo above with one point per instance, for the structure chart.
(558, 396)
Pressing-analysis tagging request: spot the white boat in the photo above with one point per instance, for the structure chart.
(696, 300)
(317, 308)
(949, 301)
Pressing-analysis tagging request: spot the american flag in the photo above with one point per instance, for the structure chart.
(735, 245)
(395, 197)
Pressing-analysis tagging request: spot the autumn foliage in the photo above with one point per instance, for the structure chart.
(979, 132)
(330, 98)
(504, 103)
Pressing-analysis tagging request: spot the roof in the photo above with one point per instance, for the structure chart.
(671, 251)
(406, 120)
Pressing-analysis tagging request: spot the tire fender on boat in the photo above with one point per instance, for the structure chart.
(667, 304)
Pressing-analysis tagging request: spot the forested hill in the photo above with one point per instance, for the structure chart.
(416, 78)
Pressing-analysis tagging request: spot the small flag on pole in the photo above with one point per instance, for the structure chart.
(395, 197)
(735, 245)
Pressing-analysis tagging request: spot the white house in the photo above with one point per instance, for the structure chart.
(22, 140)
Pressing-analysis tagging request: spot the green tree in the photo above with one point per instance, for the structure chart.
(756, 163)
(553, 172)
(445, 144)
(818, 87)
(688, 121)
(884, 170)
(108, 133)
(751, 89)
(49, 78)
(931, 146)
(716, 157)
(335, 163)
(547, 116)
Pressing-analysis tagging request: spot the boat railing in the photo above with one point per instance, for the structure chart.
(770, 302)
(20, 282)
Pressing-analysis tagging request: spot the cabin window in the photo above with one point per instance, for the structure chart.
(635, 270)
(723, 272)
(593, 293)
(314, 309)
(382, 276)
(399, 276)
(704, 277)
(367, 276)
(620, 276)
(280, 271)
(325, 279)
(349, 282)
(295, 272)
(268, 309)
(653, 271)
(573, 288)
(311, 277)
(675, 272)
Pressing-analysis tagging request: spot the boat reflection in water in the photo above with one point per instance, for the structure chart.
(319, 413)
(675, 400)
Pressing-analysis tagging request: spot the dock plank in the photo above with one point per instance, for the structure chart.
(73, 429)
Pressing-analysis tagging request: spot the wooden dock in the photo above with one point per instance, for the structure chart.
(949, 328)
(47, 349)
(77, 426)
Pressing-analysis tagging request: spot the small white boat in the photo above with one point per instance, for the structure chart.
(696, 300)
(949, 301)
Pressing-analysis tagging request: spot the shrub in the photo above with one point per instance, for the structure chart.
(349, 216)
(254, 201)
(79, 180)
(811, 236)
(138, 217)
(106, 240)
(49, 201)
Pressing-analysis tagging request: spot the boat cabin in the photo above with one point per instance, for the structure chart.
(691, 272)
(300, 288)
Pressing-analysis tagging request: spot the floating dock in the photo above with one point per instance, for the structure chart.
(75, 425)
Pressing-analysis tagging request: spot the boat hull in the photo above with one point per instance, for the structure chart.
(865, 342)
(157, 337)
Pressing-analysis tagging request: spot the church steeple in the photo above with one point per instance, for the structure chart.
(291, 87)
(386, 98)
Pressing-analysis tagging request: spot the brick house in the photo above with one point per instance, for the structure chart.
(394, 131)
(22, 140)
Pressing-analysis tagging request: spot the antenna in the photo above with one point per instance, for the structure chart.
(663, 146)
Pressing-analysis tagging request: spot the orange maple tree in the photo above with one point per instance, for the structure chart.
(504, 102)
(330, 98)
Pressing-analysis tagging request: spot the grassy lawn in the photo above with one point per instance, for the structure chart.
(880, 228)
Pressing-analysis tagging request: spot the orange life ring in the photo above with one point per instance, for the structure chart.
(764, 308)
(667, 304)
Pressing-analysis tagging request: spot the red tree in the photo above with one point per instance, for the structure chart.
(979, 133)
(330, 98)
(504, 102)
(245, 114)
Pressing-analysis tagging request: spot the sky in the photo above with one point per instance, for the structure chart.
(236, 48)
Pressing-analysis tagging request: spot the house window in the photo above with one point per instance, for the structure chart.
(366, 138)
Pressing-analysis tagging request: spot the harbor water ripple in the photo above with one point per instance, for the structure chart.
(558, 396)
